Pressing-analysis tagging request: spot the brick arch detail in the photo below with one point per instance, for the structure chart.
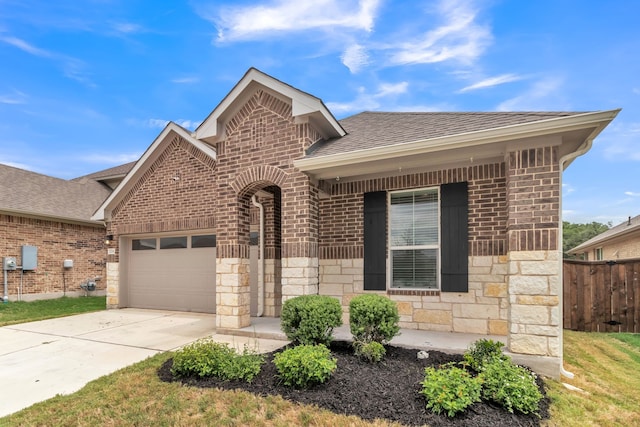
(258, 176)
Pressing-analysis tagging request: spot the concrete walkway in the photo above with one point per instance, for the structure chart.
(39, 360)
(448, 342)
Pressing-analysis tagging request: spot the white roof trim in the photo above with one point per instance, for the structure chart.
(99, 215)
(457, 141)
(302, 105)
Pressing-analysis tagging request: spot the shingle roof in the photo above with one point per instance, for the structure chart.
(631, 225)
(42, 195)
(378, 129)
(121, 170)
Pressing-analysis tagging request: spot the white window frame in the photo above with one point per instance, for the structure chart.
(438, 246)
(598, 254)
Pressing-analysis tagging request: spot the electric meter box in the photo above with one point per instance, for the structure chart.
(29, 257)
(9, 263)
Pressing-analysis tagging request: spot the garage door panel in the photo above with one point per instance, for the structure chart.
(172, 279)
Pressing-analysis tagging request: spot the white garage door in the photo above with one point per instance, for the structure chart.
(172, 273)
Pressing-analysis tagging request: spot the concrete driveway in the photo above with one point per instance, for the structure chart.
(39, 360)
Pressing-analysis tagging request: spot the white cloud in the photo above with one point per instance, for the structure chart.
(185, 80)
(250, 22)
(542, 95)
(631, 194)
(161, 123)
(27, 47)
(355, 57)
(620, 141)
(460, 38)
(112, 159)
(14, 98)
(126, 27)
(72, 68)
(491, 81)
(368, 101)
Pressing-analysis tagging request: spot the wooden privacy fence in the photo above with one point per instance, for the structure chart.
(602, 296)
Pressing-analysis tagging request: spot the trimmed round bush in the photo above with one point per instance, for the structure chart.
(373, 317)
(310, 319)
(510, 386)
(450, 389)
(305, 365)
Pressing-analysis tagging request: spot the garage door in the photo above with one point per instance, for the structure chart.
(172, 273)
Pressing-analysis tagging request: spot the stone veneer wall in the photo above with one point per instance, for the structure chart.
(482, 310)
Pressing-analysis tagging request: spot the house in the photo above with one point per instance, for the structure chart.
(455, 216)
(45, 221)
(619, 242)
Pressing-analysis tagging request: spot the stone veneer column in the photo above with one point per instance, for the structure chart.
(113, 284)
(232, 293)
(534, 287)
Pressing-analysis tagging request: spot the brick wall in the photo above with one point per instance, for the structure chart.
(55, 241)
(341, 218)
(533, 192)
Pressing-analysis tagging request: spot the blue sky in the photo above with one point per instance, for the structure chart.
(87, 85)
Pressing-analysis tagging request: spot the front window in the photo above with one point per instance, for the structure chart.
(414, 239)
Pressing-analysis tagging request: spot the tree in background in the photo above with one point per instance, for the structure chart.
(576, 234)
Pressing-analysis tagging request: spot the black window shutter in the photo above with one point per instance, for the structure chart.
(375, 244)
(455, 237)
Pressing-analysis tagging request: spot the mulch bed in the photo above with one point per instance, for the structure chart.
(387, 390)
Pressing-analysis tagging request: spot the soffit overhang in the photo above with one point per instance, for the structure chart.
(571, 133)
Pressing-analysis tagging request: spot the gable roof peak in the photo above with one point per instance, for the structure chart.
(304, 106)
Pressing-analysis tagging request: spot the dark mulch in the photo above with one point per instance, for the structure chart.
(387, 390)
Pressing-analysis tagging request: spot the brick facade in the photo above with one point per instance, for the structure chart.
(313, 241)
(55, 241)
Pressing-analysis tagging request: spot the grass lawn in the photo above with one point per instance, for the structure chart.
(20, 311)
(605, 365)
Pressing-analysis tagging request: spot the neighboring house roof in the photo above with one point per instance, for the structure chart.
(632, 225)
(111, 173)
(28, 193)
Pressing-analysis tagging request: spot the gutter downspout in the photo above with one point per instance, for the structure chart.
(259, 205)
(569, 157)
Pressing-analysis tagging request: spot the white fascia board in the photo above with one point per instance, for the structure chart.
(302, 104)
(462, 140)
(99, 215)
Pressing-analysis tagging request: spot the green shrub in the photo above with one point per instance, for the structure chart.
(373, 317)
(207, 358)
(305, 365)
(450, 389)
(483, 351)
(371, 351)
(310, 319)
(511, 386)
